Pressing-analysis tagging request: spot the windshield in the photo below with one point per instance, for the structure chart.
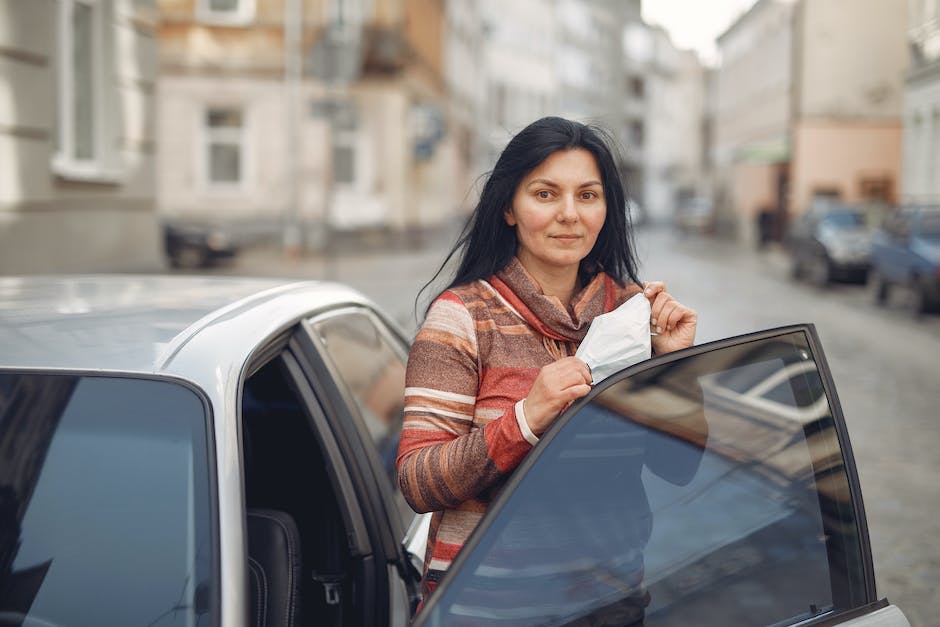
(104, 502)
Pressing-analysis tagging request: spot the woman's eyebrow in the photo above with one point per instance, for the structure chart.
(552, 183)
(548, 182)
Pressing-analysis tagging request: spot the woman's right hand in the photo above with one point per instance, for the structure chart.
(557, 385)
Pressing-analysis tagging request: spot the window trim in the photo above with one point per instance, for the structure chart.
(208, 136)
(344, 18)
(838, 419)
(103, 166)
(353, 139)
(333, 450)
(314, 359)
(351, 408)
(316, 375)
(243, 14)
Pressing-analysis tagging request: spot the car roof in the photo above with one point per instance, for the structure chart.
(150, 323)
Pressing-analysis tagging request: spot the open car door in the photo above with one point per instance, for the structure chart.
(710, 486)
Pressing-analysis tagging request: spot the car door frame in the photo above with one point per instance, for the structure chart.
(872, 602)
(375, 499)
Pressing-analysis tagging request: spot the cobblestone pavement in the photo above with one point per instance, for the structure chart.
(885, 365)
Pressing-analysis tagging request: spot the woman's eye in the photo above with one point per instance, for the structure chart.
(588, 195)
(544, 194)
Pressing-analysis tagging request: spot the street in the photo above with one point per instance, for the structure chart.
(884, 363)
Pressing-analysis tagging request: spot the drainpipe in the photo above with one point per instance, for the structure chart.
(293, 70)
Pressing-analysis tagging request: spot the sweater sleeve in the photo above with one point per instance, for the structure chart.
(442, 460)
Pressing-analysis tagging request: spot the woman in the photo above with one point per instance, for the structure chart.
(547, 249)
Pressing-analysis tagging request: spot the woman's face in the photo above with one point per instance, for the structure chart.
(558, 210)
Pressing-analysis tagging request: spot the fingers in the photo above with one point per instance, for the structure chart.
(673, 323)
(557, 385)
(662, 304)
(655, 292)
(652, 288)
(567, 372)
(669, 314)
(665, 311)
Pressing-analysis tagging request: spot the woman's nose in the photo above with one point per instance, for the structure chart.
(568, 211)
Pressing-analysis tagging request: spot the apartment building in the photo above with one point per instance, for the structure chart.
(306, 116)
(809, 106)
(850, 62)
(753, 110)
(663, 104)
(77, 82)
(520, 78)
(921, 169)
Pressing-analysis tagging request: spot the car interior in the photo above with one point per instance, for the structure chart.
(299, 569)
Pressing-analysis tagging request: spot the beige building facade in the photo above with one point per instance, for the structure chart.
(520, 68)
(752, 113)
(921, 171)
(809, 105)
(77, 140)
(851, 58)
(319, 116)
(663, 109)
(465, 79)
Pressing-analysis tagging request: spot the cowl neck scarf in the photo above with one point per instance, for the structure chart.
(547, 314)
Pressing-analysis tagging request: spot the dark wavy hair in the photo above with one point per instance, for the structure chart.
(487, 243)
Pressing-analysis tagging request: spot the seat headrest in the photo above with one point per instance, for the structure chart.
(274, 568)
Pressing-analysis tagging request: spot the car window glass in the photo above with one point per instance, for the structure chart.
(896, 225)
(696, 492)
(844, 219)
(373, 370)
(104, 502)
(889, 224)
(930, 226)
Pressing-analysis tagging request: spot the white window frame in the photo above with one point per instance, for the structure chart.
(345, 17)
(243, 14)
(103, 165)
(355, 140)
(207, 136)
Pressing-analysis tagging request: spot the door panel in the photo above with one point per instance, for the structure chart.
(369, 361)
(364, 358)
(712, 487)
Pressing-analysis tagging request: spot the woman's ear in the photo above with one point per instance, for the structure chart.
(510, 219)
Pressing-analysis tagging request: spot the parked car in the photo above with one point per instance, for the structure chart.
(196, 245)
(831, 241)
(694, 215)
(906, 253)
(212, 451)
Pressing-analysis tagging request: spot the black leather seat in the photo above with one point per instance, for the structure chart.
(274, 568)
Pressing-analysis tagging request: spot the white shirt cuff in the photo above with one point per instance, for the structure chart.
(530, 437)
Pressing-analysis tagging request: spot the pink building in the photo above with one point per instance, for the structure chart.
(809, 105)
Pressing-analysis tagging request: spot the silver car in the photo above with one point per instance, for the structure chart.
(195, 451)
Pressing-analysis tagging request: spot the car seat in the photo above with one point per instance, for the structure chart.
(274, 568)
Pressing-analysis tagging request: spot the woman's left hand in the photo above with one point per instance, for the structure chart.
(672, 322)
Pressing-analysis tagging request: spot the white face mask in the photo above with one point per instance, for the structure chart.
(617, 339)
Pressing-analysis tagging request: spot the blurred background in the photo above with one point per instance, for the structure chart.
(782, 159)
(297, 121)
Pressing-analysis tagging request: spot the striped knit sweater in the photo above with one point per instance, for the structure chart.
(474, 359)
